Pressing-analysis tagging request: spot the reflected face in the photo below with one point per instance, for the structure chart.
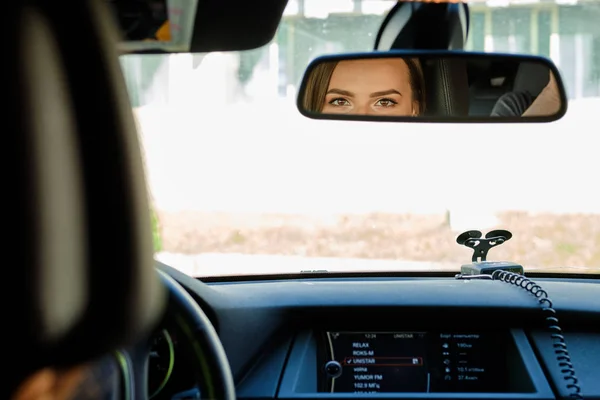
(370, 87)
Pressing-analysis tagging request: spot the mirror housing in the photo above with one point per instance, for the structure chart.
(408, 26)
(432, 86)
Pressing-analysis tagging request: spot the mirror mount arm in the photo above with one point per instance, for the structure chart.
(424, 26)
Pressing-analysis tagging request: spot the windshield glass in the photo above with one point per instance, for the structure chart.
(241, 183)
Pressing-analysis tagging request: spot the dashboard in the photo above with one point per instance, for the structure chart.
(169, 373)
(402, 337)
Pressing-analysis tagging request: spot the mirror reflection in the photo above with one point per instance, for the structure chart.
(478, 86)
(384, 86)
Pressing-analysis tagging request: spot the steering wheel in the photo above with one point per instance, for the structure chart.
(199, 338)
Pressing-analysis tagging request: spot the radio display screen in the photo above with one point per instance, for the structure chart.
(413, 362)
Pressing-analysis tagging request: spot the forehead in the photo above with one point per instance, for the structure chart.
(390, 71)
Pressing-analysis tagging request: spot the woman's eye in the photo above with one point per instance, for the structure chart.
(385, 103)
(339, 102)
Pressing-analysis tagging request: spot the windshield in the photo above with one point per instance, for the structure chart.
(241, 183)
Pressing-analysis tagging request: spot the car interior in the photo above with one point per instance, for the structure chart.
(473, 87)
(87, 286)
(447, 83)
(487, 82)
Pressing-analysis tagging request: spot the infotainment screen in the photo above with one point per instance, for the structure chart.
(417, 362)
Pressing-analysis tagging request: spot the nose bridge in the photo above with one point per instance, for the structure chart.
(362, 106)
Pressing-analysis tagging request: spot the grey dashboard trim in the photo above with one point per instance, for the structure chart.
(584, 349)
(263, 379)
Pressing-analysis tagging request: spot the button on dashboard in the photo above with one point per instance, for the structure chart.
(333, 369)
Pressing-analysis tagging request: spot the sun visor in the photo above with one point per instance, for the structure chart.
(81, 280)
(192, 26)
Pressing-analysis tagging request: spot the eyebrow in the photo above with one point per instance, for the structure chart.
(374, 94)
(340, 92)
(385, 93)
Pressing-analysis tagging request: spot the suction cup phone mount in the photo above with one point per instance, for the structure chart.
(481, 245)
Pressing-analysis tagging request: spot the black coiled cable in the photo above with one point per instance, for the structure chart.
(559, 344)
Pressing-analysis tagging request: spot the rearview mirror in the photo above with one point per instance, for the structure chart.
(432, 86)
